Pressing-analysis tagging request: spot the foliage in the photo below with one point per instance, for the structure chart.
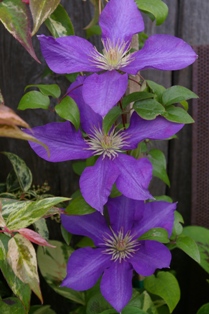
(108, 135)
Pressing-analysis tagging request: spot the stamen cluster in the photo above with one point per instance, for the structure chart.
(114, 57)
(106, 144)
(121, 246)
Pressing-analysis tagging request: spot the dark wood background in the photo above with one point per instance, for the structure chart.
(187, 19)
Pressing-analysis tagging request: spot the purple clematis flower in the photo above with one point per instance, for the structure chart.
(119, 21)
(131, 176)
(117, 249)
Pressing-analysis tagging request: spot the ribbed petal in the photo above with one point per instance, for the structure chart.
(120, 20)
(122, 212)
(150, 256)
(88, 117)
(154, 215)
(67, 54)
(162, 52)
(135, 176)
(84, 268)
(157, 129)
(96, 182)
(116, 284)
(102, 92)
(93, 226)
(63, 141)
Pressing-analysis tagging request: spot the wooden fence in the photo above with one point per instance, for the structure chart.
(187, 19)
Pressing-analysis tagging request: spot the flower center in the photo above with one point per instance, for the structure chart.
(106, 144)
(114, 57)
(121, 246)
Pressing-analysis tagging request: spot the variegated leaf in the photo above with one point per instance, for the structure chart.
(40, 10)
(21, 257)
(21, 170)
(14, 14)
(52, 264)
(20, 289)
(31, 212)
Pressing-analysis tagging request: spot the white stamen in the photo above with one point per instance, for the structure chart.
(115, 56)
(120, 246)
(106, 144)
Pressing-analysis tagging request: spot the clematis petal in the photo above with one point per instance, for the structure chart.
(93, 226)
(157, 129)
(122, 212)
(135, 176)
(150, 256)
(96, 182)
(63, 141)
(88, 117)
(84, 268)
(162, 52)
(102, 92)
(154, 215)
(116, 285)
(67, 54)
(120, 20)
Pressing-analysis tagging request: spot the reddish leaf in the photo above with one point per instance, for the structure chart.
(16, 18)
(9, 117)
(34, 237)
(41, 10)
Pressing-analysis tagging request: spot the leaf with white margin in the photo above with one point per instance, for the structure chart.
(21, 257)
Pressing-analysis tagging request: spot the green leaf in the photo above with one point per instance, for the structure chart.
(93, 30)
(177, 114)
(158, 161)
(204, 309)
(30, 212)
(165, 198)
(68, 110)
(52, 264)
(85, 241)
(189, 246)
(41, 309)
(156, 8)
(175, 94)
(96, 13)
(59, 23)
(164, 285)
(177, 227)
(109, 311)
(16, 18)
(110, 118)
(184, 104)
(147, 303)
(133, 310)
(156, 89)
(78, 206)
(11, 306)
(156, 234)
(201, 236)
(136, 96)
(47, 90)
(22, 172)
(97, 304)
(21, 257)
(34, 100)
(66, 235)
(20, 289)
(148, 109)
(41, 10)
